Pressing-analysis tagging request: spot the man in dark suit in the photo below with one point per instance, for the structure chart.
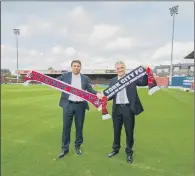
(74, 106)
(126, 104)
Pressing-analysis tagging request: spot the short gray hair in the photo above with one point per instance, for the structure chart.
(120, 62)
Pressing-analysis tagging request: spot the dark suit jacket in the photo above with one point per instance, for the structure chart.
(132, 94)
(85, 84)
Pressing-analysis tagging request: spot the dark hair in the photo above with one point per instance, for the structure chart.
(76, 61)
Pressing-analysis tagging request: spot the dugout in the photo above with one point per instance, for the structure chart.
(100, 78)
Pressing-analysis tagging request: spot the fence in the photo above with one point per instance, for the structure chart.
(162, 81)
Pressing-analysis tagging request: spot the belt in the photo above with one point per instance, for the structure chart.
(122, 105)
(75, 102)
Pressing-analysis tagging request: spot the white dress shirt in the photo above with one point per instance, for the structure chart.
(76, 82)
(122, 93)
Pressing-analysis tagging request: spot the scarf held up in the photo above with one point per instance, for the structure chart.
(130, 78)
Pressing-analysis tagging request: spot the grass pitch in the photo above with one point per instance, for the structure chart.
(31, 126)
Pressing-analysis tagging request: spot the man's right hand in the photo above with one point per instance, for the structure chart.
(99, 95)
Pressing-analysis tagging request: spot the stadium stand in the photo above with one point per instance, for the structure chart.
(185, 69)
(190, 56)
(102, 76)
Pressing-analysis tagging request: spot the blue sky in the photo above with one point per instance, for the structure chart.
(97, 33)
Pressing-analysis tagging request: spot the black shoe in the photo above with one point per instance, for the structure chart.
(130, 158)
(112, 153)
(64, 152)
(78, 151)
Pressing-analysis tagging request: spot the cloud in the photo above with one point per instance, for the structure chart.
(29, 58)
(63, 32)
(94, 33)
(83, 56)
(70, 51)
(180, 50)
(65, 66)
(58, 57)
(58, 49)
(78, 15)
(36, 25)
(119, 43)
(7, 50)
(79, 55)
(103, 32)
(102, 62)
(78, 21)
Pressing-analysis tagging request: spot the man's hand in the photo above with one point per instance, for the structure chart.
(99, 95)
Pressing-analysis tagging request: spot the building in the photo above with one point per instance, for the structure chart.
(97, 76)
(186, 69)
(190, 56)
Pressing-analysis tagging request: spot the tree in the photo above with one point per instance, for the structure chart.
(50, 68)
(6, 74)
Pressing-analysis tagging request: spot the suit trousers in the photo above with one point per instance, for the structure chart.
(123, 115)
(76, 110)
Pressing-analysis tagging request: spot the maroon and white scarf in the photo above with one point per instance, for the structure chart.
(91, 98)
(67, 88)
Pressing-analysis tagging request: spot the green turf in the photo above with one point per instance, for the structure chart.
(31, 136)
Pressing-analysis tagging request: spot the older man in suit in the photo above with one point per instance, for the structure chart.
(126, 104)
(74, 106)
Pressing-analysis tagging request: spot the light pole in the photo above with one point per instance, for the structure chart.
(173, 12)
(17, 32)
